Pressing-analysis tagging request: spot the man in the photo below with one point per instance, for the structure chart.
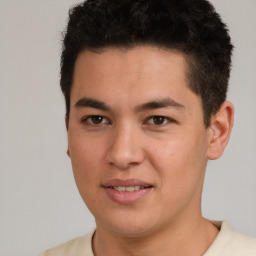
(145, 85)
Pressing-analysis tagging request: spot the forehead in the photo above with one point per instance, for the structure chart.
(144, 62)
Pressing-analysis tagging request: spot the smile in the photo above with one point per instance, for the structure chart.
(126, 191)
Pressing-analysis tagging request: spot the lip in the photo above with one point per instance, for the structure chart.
(126, 197)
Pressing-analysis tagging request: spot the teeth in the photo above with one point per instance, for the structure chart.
(127, 189)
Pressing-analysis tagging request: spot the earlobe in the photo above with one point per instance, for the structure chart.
(220, 130)
(68, 153)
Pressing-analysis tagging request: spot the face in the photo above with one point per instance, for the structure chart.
(136, 139)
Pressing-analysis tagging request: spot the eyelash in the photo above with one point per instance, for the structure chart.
(166, 120)
(85, 120)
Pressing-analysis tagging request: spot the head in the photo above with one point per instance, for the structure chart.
(145, 85)
(190, 27)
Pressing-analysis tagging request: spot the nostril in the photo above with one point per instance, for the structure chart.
(133, 164)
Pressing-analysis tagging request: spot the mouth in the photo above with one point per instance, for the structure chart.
(126, 191)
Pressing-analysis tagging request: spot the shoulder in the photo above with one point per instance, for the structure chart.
(80, 246)
(230, 242)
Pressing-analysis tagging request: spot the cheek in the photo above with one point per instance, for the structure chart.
(169, 156)
(86, 157)
(180, 161)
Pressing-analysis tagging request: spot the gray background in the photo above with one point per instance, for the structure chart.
(39, 203)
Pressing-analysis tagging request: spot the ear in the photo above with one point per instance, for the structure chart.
(220, 130)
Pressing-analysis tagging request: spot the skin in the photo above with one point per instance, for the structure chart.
(124, 142)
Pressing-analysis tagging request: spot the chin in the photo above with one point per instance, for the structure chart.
(136, 226)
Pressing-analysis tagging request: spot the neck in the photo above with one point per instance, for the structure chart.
(192, 238)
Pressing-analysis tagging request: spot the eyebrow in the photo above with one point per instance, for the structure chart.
(92, 103)
(154, 104)
(162, 103)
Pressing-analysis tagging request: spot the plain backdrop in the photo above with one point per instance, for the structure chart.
(39, 204)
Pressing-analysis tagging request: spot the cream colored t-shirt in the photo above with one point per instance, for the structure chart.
(227, 243)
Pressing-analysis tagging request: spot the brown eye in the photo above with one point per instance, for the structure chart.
(159, 120)
(95, 120)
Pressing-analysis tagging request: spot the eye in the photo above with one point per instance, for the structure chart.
(95, 120)
(159, 120)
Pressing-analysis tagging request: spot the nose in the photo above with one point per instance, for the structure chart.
(126, 147)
